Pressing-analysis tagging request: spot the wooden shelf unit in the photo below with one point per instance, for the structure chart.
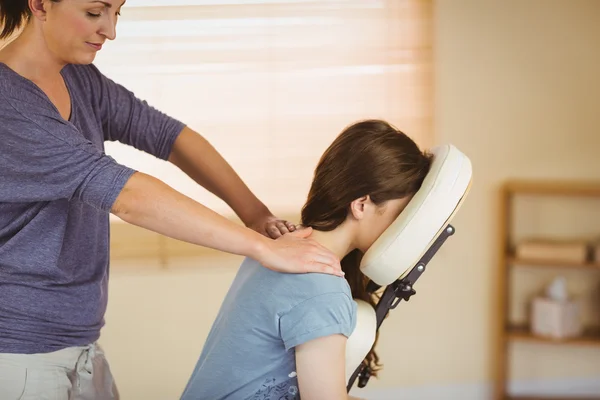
(507, 332)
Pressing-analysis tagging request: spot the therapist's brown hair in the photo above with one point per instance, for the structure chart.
(13, 15)
(368, 158)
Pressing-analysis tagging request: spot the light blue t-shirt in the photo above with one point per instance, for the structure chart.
(249, 353)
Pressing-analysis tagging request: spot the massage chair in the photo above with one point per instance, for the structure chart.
(397, 259)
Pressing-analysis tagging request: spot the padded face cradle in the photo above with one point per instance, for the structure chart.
(403, 243)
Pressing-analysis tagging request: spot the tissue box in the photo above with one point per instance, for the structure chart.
(555, 319)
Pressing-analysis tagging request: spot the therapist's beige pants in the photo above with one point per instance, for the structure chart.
(75, 373)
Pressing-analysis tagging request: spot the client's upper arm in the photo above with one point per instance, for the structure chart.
(320, 365)
(317, 330)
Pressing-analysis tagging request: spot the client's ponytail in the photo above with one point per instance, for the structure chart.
(12, 15)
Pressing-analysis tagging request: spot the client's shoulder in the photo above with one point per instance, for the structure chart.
(315, 284)
(293, 287)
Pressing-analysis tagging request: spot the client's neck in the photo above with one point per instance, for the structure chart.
(338, 241)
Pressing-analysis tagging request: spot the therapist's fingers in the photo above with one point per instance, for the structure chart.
(295, 253)
(320, 259)
(302, 231)
(273, 231)
(291, 227)
(275, 228)
(324, 266)
(282, 226)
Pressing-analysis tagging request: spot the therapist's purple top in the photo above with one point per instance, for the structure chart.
(56, 189)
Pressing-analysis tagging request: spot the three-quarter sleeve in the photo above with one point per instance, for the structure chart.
(131, 120)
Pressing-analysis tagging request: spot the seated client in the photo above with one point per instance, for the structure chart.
(283, 336)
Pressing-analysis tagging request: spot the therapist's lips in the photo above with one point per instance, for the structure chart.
(95, 46)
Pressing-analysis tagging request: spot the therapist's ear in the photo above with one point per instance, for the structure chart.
(38, 9)
(360, 206)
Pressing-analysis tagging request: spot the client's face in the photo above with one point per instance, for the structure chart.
(377, 219)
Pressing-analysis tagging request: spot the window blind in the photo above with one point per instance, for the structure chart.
(271, 83)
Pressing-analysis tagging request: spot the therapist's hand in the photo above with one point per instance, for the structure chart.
(271, 226)
(296, 253)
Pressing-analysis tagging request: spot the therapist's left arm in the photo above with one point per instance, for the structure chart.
(195, 156)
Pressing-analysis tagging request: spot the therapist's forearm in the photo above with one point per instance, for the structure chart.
(195, 156)
(150, 203)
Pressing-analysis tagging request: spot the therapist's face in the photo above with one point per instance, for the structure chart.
(75, 30)
(372, 219)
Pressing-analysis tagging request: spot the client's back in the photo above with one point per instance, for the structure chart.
(249, 353)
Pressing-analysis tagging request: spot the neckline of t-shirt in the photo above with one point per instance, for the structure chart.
(71, 118)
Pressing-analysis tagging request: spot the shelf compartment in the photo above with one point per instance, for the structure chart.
(590, 336)
(552, 263)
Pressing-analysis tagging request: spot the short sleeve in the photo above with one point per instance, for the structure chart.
(322, 315)
(49, 160)
(130, 120)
